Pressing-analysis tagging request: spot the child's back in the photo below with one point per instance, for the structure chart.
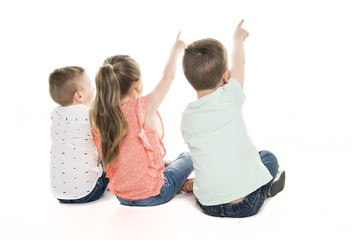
(74, 170)
(139, 173)
(232, 177)
(76, 175)
(125, 130)
(227, 164)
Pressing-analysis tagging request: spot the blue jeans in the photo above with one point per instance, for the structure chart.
(95, 194)
(175, 175)
(252, 202)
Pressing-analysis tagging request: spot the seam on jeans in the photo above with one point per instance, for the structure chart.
(162, 196)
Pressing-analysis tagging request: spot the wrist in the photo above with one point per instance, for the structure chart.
(238, 41)
(176, 50)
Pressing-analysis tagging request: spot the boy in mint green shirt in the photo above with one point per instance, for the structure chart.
(233, 179)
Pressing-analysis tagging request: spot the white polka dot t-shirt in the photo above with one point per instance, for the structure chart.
(73, 167)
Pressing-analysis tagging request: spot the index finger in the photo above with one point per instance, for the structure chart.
(241, 23)
(178, 36)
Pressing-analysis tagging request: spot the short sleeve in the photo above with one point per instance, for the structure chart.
(234, 91)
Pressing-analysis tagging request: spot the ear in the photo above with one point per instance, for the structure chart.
(78, 97)
(226, 76)
(137, 85)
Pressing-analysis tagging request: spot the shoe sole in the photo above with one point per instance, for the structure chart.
(278, 186)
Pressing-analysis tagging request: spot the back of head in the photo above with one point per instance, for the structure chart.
(63, 83)
(113, 81)
(204, 63)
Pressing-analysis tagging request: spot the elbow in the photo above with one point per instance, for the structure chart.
(169, 76)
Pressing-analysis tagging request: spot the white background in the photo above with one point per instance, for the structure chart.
(302, 85)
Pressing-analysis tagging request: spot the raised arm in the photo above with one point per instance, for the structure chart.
(156, 97)
(238, 54)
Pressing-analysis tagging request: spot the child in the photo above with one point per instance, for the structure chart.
(76, 175)
(232, 178)
(128, 131)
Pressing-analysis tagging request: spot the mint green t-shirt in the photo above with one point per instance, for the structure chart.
(226, 162)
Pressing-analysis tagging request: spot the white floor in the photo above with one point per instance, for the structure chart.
(181, 218)
(319, 202)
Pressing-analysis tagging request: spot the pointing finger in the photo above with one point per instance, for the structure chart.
(241, 23)
(178, 36)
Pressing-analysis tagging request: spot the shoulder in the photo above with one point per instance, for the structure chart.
(136, 109)
(142, 102)
(55, 112)
(233, 84)
(234, 90)
(71, 112)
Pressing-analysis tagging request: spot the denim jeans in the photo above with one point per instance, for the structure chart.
(252, 202)
(95, 194)
(175, 175)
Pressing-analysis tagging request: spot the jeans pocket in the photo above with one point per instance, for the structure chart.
(152, 201)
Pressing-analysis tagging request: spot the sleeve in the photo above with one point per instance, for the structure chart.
(235, 92)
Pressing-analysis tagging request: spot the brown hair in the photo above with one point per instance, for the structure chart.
(63, 83)
(204, 63)
(113, 81)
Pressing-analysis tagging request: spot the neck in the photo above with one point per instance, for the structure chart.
(128, 97)
(202, 93)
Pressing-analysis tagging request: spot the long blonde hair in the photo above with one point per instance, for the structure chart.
(113, 81)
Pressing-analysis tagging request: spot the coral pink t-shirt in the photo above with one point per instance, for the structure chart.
(138, 171)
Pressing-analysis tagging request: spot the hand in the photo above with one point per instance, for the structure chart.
(240, 33)
(179, 44)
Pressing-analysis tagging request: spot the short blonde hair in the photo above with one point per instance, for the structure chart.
(63, 84)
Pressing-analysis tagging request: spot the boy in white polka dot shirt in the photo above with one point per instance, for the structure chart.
(76, 173)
